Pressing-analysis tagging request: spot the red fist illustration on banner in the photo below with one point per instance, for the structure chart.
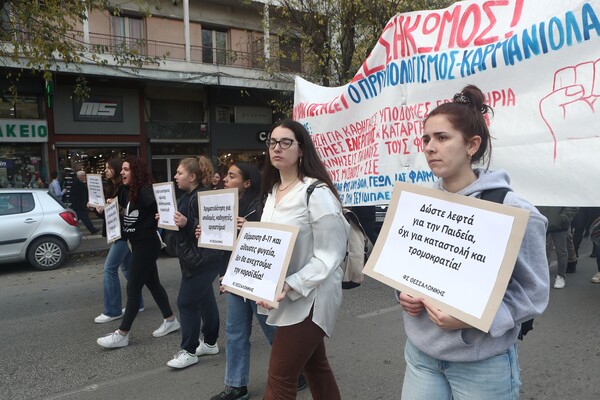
(569, 110)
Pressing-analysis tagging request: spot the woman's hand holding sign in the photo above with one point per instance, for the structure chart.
(286, 288)
(443, 320)
(180, 219)
(415, 306)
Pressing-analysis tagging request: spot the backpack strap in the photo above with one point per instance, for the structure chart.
(495, 195)
(311, 189)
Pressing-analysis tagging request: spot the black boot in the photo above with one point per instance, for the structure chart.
(571, 266)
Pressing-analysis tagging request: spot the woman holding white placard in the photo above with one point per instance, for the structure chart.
(119, 254)
(199, 268)
(446, 358)
(312, 292)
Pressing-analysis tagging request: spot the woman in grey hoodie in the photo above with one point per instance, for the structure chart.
(445, 357)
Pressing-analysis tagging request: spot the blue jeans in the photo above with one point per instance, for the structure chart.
(238, 329)
(118, 256)
(428, 378)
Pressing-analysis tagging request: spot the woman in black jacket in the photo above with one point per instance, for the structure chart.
(199, 268)
(139, 229)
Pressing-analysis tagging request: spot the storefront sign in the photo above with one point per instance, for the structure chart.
(23, 131)
(99, 109)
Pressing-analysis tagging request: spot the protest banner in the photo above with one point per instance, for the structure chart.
(164, 193)
(258, 265)
(537, 62)
(95, 190)
(112, 221)
(456, 251)
(218, 211)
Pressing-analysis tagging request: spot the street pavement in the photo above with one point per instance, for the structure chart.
(48, 340)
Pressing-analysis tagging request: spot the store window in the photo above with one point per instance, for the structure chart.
(91, 160)
(226, 158)
(20, 166)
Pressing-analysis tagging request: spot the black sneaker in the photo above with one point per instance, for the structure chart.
(232, 393)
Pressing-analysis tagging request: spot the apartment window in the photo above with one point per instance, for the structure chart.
(214, 46)
(25, 107)
(290, 59)
(128, 31)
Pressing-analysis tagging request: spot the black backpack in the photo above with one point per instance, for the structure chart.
(497, 196)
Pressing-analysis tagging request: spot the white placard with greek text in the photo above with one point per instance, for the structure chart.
(259, 263)
(218, 212)
(456, 250)
(112, 221)
(164, 193)
(95, 190)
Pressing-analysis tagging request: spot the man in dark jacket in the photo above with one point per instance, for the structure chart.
(79, 199)
(559, 220)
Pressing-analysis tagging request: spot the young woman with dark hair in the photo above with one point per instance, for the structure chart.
(118, 254)
(139, 229)
(445, 357)
(312, 292)
(245, 178)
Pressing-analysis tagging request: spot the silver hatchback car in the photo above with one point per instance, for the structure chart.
(36, 227)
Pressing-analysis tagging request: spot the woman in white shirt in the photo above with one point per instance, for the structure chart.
(312, 292)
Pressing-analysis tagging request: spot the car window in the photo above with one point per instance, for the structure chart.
(27, 203)
(16, 203)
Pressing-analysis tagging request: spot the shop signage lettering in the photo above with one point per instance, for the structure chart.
(98, 109)
(13, 130)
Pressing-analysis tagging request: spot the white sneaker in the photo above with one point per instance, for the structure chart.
(103, 318)
(166, 327)
(114, 340)
(559, 282)
(596, 278)
(182, 359)
(206, 349)
(140, 310)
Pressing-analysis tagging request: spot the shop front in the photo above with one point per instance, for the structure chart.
(23, 153)
(89, 132)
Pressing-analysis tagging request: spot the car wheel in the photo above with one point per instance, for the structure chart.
(47, 253)
(169, 239)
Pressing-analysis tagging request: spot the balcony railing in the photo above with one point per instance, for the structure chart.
(109, 44)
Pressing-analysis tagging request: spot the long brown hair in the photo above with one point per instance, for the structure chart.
(140, 176)
(116, 181)
(310, 166)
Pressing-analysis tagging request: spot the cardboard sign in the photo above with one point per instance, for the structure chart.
(95, 190)
(111, 219)
(259, 263)
(218, 212)
(164, 193)
(456, 251)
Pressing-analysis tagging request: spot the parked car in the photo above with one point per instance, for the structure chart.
(36, 227)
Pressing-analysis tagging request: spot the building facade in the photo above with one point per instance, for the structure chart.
(208, 95)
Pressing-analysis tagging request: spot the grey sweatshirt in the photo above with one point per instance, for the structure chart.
(526, 295)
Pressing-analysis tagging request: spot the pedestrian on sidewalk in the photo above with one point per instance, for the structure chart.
(119, 255)
(54, 187)
(445, 357)
(139, 229)
(79, 201)
(199, 269)
(559, 221)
